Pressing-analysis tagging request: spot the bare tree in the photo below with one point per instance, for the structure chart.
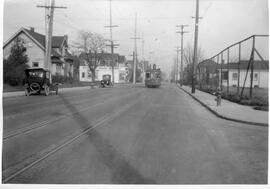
(91, 46)
(188, 61)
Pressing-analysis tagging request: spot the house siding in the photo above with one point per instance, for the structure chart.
(103, 70)
(34, 52)
(261, 81)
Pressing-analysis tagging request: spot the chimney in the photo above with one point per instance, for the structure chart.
(66, 38)
(32, 29)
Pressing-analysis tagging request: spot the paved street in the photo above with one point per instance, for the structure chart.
(127, 135)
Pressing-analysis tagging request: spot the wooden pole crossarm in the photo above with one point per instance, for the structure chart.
(48, 7)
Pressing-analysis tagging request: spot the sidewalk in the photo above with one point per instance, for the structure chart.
(229, 110)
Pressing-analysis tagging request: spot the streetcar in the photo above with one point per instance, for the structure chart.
(153, 77)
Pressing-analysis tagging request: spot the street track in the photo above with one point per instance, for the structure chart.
(46, 101)
(37, 125)
(12, 172)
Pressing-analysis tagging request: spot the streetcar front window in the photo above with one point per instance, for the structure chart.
(147, 75)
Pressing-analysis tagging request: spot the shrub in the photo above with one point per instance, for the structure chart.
(14, 66)
(62, 79)
(254, 102)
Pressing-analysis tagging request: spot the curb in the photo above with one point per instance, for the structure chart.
(221, 116)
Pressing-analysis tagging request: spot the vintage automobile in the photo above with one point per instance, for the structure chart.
(37, 80)
(106, 81)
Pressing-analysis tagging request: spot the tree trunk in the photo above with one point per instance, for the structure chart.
(93, 75)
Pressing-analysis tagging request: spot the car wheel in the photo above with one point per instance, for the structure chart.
(47, 90)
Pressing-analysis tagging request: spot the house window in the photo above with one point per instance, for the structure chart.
(234, 76)
(122, 76)
(83, 74)
(224, 75)
(255, 77)
(35, 64)
(58, 68)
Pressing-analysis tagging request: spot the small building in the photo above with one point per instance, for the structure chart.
(62, 60)
(207, 74)
(230, 72)
(104, 68)
(210, 74)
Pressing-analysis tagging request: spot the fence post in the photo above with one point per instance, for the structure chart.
(238, 74)
(218, 83)
(252, 66)
(228, 60)
(221, 87)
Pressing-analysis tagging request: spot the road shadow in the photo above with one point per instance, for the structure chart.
(121, 171)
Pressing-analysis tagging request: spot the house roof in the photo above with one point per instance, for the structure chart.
(69, 56)
(106, 56)
(57, 61)
(258, 65)
(207, 63)
(57, 41)
(55, 53)
(38, 38)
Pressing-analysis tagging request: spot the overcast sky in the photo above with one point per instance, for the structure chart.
(224, 23)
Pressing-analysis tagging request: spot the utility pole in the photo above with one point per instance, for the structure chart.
(111, 39)
(47, 16)
(143, 57)
(49, 13)
(195, 58)
(182, 52)
(177, 65)
(175, 68)
(135, 50)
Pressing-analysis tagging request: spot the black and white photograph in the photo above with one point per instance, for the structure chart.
(135, 93)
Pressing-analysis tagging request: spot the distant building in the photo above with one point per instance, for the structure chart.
(104, 68)
(260, 74)
(62, 60)
(209, 74)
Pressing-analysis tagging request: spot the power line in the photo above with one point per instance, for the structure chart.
(210, 4)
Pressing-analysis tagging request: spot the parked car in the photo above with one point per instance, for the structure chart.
(106, 81)
(38, 80)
